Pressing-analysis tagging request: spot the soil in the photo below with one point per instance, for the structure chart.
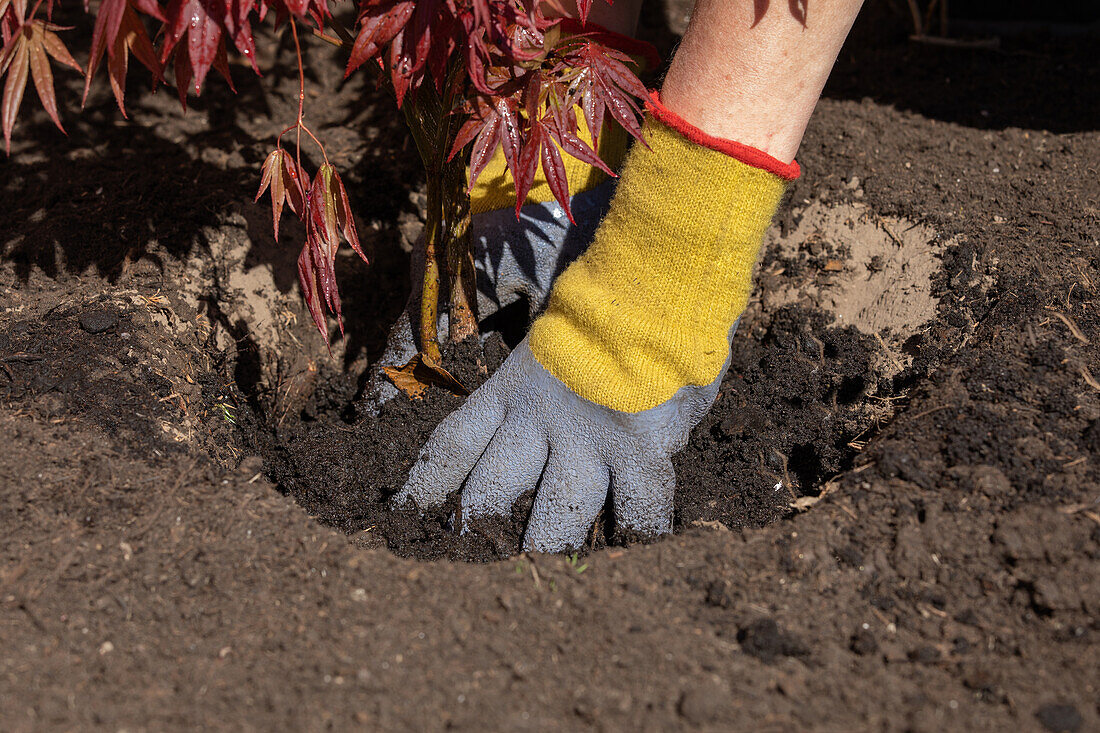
(890, 519)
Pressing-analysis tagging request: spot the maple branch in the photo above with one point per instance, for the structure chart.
(429, 296)
(460, 258)
(301, 94)
(346, 39)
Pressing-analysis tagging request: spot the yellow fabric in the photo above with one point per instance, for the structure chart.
(495, 190)
(648, 308)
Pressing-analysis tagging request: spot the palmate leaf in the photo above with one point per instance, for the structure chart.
(564, 131)
(195, 20)
(542, 148)
(207, 24)
(288, 185)
(27, 55)
(377, 27)
(328, 216)
(118, 32)
(605, 84)
(492, 126)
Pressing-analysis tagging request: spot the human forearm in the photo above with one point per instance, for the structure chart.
(754, 79)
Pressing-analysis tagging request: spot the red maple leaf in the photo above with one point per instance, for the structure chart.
(26, 54)
(118, 32)
(282, 175)
(602, 83)
(328, 217)
(206, 24)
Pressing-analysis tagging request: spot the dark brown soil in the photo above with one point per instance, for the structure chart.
(893, 529)
(797, 394)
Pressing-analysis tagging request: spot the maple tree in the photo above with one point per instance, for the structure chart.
(471, 76)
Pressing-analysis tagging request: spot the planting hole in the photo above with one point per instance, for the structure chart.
(813, 372)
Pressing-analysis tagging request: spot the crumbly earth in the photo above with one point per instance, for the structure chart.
(890, 520)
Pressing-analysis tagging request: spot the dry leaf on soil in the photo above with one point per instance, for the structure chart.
(421, 372)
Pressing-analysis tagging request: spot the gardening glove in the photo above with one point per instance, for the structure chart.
(518, 257)
(627, 357)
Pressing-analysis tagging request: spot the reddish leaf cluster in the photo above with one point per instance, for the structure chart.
(518, 82)
(323, 207)
(506, 74)
(28, 46)
(192, 36)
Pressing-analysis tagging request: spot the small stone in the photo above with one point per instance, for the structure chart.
(924, 655)
(1060, 718)
(98, 320)
(766, 641)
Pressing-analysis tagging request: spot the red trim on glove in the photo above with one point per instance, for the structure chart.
(748, 155)
(626, 44)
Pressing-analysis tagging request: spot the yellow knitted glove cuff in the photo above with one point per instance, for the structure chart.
(648, 308)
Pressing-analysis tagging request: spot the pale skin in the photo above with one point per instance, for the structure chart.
(754, 79)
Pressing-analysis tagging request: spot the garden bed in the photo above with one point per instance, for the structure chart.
(889, 520)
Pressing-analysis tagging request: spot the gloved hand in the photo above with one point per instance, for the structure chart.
(628, 356)
(525, 428)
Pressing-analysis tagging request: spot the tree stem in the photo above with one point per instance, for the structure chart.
(429, 296)
(460, 259)
(447, 230)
